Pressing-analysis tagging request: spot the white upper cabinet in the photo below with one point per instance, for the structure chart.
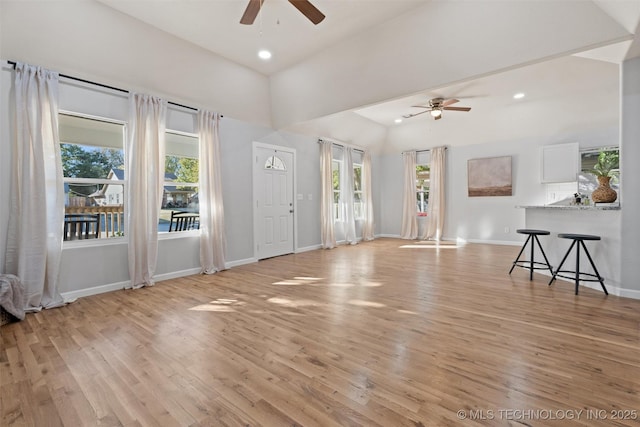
(560, 163)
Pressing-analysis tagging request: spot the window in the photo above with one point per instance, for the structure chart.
(336, 168)
(276, 163)
(93, 168)
(587, 180)
(181, 177)
(358, 203)
(422, 189)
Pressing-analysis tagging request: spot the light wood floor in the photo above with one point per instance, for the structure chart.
(371, 335)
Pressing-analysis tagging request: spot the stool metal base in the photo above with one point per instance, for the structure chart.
(531, 264)
(577, 275)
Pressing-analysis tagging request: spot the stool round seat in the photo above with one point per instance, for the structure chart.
(577, 275)
(532, 240)
(574, 236)
(533, 231)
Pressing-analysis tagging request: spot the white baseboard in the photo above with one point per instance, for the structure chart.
(236, 263)
(391, 236)
(495, 242)
(176, 274)
(72, 295)
(612, 288)
(309, 248)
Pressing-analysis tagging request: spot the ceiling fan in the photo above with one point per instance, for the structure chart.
(436, 106)
(304, 6)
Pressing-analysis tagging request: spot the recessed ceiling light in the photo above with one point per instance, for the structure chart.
(518, 95)
(398, 120)
(264, 54)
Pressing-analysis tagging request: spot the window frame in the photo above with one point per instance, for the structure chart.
(99, 182)
(420, 193)
(587, 181)
(358, 212)
(195, 185)
(337, 191)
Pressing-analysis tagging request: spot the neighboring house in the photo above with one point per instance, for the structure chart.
(172, 197)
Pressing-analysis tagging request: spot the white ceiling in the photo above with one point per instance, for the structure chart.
(280, 27)
(560, 93)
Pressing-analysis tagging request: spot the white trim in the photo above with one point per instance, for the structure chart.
(93, 117)
(176, 274)
(231, 264)
(309, 248)
(390, 236)
(166, 235)
(494, 242)
(94, 243)
(254, 171)
(72, 295)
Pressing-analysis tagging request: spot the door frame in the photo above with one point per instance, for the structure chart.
(258, 168)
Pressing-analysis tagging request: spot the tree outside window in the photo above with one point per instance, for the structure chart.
(336, 167)
(422, 189)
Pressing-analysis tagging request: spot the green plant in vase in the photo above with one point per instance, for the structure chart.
(605, 168)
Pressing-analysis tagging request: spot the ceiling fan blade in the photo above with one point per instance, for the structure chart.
(251, 12)
(308, 10)
(457, 108)
(421, 106)
(449, 102)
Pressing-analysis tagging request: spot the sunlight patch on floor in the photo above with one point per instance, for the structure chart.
(437, 244)
(293, 303)
(220, 305)
(362, 303)
(407, 312)
(429, 246)
(298, 281)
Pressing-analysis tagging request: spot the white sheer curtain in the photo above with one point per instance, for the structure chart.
(212, 239)
(34, 241)
(327, 235)
(436, 205)
(347, 198)
(409, 208)
(367, 198)
(145, 157)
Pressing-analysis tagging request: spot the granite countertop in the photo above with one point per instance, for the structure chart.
(607, 207)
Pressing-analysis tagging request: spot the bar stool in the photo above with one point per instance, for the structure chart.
(532, 264)
(578, 240)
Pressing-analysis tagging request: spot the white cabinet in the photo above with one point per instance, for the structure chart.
(560, 163)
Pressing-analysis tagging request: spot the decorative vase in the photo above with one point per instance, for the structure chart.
(604, 193)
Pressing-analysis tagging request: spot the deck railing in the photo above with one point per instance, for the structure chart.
(111, 218)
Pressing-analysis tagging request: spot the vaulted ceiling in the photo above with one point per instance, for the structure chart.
(369, 61)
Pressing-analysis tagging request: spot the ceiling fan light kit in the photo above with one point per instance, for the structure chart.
(436, 107)
(304, 6)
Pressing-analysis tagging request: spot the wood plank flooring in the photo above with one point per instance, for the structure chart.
(366, 335)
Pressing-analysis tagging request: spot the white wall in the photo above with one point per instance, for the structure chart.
(90, 40)
(93, 266)
(630, 156)
(483, 219)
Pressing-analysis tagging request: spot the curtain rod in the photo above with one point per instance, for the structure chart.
(341, 145)
(422, 151)
(78, 79)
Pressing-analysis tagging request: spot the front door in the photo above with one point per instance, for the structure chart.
(273, 201)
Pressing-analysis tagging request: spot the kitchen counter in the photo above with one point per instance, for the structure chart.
(603, 221)
(615, 207)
